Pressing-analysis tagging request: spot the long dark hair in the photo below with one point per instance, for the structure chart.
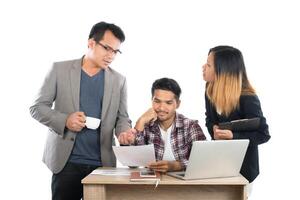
(231, 79)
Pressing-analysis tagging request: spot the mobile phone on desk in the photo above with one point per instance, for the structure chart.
(147, 173)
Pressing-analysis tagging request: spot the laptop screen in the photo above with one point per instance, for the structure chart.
(215, 159)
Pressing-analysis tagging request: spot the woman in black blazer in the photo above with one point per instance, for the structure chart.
(230, 96)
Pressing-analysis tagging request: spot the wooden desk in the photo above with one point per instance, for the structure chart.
(116, 187)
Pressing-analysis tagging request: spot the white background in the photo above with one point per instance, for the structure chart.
(163, 38)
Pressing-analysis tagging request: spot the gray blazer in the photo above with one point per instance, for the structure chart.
(62, 87)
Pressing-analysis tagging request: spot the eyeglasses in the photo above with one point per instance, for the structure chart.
(109, 49)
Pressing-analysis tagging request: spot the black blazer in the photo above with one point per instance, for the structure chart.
(249, 108)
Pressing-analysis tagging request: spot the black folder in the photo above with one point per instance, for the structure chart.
(241, 124)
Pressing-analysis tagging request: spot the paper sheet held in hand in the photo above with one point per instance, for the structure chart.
(135, 155)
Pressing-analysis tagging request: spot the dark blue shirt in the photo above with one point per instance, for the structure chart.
(86, 149)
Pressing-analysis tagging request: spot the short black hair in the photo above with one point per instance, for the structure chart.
(166, 84)
(99, 29)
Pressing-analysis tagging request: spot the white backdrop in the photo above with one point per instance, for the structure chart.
(163, 38)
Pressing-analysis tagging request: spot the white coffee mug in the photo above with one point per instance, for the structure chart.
(92, 122)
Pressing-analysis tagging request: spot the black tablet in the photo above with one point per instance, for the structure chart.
(241, 124)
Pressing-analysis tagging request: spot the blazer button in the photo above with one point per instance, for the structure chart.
(73, 139)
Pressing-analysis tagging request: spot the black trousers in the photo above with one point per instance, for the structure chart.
(66, 185)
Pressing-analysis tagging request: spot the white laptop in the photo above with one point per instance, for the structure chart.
(214, 159)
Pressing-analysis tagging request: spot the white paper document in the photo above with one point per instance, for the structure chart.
(135, 155)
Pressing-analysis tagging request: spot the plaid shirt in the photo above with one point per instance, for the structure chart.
(185, 131)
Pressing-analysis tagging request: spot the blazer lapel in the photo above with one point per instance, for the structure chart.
(75, 75)
(108, 79)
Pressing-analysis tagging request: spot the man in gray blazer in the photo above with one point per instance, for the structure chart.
(72, 91)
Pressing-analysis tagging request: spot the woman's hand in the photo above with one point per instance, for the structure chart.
(220, 134)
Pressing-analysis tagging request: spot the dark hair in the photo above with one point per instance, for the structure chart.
(167, 84)
(99, 29)
(229, 60)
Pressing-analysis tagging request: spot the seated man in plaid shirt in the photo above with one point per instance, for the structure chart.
(171, 133)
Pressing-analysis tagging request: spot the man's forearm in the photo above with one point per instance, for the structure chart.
(140, 125)
(175, 166)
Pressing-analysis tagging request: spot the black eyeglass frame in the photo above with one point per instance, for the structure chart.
(109, 49)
